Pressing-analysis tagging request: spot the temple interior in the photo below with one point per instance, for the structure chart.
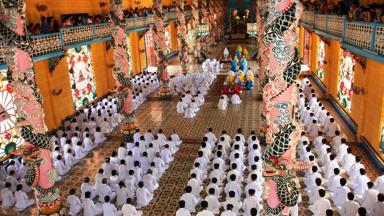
(192, 107)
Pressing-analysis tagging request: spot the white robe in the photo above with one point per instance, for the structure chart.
(339, 197)
(8, 200)
(189, 113)
(320, 207)
(223, 103)
(75, 205)
(180, 107)
(190, 201)
(350, 208)
(379, 184)
(143, 197)
(369, 198)
(235, 99)
(213, 204)
(130, 210)
(110, 209)
(61, 168)
(359, 184)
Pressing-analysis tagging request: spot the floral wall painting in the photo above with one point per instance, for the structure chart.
(345, 79)
(81, 75)
(320, 60)
(9, 137)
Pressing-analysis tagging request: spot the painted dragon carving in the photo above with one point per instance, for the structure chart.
(281, 66)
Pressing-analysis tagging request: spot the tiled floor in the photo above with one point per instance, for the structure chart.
(155, 114)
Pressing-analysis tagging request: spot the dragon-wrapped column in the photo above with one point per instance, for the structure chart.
(121, 70)
(37, 147)
(160, 46)
(182, 36)
(279, 97)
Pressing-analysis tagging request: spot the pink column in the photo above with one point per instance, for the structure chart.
(36, 150)
(182, 35)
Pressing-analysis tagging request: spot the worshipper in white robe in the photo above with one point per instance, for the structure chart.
(313, 128)
(193, 105)
(233, 186)
(369, 197)
(166, 154)
(359, 184)
(235, 99)
(181, 106)
(85, 186)
(143, 196)
(189, 113)
(310, 180)
(235, 202)
(314, 192)
(60, 167)
(199, 99)
(355, 169)
(11, 178)
(330, 166)
(350, 207)
(321, 205)
(114, 180)
(74, 203)
(104, 190)
(228, 210)
(99, 136)
(339, 196)
(80, 153)
(106, 166)
(22, 200)
(148, 136)
(7, 197)
(189, 199)
(251, 202)
(105, 127)
(88, 144)
(213, 202)
(129, 210)
(182, 211)
(331, 128)
(109, 209)
(378, 207)
(379, 184)
(195, 184)
(204, 211)
(223, 103)
(150, 181)
(334, 181)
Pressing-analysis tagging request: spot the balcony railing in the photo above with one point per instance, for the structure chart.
(46, 44)
(363, 35)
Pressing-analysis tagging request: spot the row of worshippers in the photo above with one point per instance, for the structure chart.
(211, 65)
(335, 169)
(189, 105)
(226, 178)
(13, 187)
(223, 101)
(132, 172)
(142, 86)
(192, 83)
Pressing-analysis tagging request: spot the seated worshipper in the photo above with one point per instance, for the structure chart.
(189, 113)
(314, 192)
(369, 197)
(74, 203)
(195, 184)
(331, 128)
(60, 167)
(181, 106)
(223, 102)
(330, 165)
(321, 205)
(313, 128)
(80, 153)
(355, 169)
(378, 207)
(143, 196)
(379, 184)
(109, 209)
(7, 197)
(105, 190)
(340, 196)
(150, 181)
(22, 200)
(88, 144)
(359, 184)
(182, 211)
(204, 211)
(351, 206)
(189, 199)
(334, 181)
(85, 186)
(251, 202)
(235, 202)
(228, 211)
(235, 99)
(194, 106)
(166, 154)
(99, 136)
(130, 210)
(213, 201)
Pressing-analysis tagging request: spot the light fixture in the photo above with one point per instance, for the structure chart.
(252, 29)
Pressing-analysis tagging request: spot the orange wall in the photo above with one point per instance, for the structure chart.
(100, 68)
(301, 42)
(135, 56)
(173, 35)
(143, 57)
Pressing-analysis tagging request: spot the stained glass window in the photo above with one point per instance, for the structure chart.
(320, 60)
(81, 76)
(150, 49)
(168, 48)
(345, 80)
(9, 136)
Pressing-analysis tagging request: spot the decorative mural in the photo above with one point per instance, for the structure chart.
(37, 147)
(81, 76)
(320, 60)
(182, 37)
(150, 48)
(10, 138)
(279, 99)
(345, 80)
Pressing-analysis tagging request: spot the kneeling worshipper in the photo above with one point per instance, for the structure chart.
(90, 209)
(22, 200)
(189, 113)
(129, 210)
(181, 106)
(235, 99)
(74, 203)
(223, 103)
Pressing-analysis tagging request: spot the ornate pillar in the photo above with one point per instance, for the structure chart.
(182, 35)
(196, 22)
(160, 46)
(204, 20)
(279, 96)
(121, 70)
(37, 147)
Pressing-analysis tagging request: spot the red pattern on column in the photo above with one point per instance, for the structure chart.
(182, 35)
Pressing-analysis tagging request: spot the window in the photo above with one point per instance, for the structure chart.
(320, 60)
(81, 76)
(345, 80)
(9, 135)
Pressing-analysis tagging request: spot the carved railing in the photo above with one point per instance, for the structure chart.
(45, 44)
(368, 36)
